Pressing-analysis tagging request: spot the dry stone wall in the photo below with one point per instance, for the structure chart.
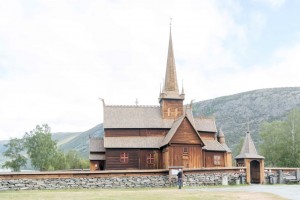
(116, 182)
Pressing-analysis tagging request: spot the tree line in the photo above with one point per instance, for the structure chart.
(42, 152)
(280, 141)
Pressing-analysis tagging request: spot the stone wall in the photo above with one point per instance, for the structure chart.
(190, 179)
(281, 175)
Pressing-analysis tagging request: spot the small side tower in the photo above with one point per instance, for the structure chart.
(228, 156)
(250, 159)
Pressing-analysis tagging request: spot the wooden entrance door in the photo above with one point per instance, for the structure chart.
(255, 171)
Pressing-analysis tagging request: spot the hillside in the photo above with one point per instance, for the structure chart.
(77, 141)
(231, 113)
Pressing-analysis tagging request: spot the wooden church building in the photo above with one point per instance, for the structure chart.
(158, 137)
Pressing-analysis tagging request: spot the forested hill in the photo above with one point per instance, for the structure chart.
(233, 112)
(78, 141)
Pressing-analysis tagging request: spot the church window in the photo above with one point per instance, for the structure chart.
(169, 112)
(176, 112)
(217, 160)
(150, 158)
(124, 157)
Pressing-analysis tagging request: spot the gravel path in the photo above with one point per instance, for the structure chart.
(291, 192)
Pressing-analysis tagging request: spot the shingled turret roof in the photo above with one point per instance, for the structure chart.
(248, 149)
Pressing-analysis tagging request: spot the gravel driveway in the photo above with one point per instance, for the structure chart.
(286, 191)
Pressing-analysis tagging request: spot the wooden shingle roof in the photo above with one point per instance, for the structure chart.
(213, 145)
(205, 124)
(148, 117)
(134, 117)
(248, 149)
(133, 142)
(96, 145)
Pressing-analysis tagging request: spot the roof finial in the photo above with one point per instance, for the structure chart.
(102, 100)
(170, 23)
(182, 90)
(191, 104)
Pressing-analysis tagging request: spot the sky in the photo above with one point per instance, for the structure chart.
(58, 57)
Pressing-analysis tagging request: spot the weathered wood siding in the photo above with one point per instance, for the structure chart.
(171, 109)
(165, 158)
(209, 159)
(189, 156)
(186, 134)
(113, 159)
(135, 132)
(137, 159)
(143, 159)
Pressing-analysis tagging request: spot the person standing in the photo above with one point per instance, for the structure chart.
(179, 175)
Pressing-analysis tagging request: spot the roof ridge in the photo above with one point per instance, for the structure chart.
(134, 106)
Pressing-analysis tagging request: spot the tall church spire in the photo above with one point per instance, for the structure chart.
(171, 102)
(171, 77)
(170, 88)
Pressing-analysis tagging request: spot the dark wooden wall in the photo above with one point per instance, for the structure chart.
(143, 159)
(137, 159)
(209, 158)
(135, 132)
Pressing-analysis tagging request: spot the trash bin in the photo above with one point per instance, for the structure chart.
(271, 179)
(242, 179)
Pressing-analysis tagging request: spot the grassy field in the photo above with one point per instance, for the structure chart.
(144, 194)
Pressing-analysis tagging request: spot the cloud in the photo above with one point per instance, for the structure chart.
(275, 4)
(58, 57)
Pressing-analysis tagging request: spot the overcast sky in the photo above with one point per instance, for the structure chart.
(58, 57)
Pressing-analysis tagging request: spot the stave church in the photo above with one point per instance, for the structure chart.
(159, 136)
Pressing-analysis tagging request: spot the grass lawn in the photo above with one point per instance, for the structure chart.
(133, 194)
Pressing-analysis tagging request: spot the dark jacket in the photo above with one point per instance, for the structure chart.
(179, 174)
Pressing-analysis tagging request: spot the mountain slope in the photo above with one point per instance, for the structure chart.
(233, 112)
(77, 141)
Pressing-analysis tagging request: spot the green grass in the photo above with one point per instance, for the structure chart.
(132, 194)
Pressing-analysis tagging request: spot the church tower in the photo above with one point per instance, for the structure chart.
(171, 102)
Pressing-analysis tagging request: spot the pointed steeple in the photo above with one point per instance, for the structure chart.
(222, 141)
(171, 102)
(170, 88)
(171, 77)
(221, 137)
(248, 149)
